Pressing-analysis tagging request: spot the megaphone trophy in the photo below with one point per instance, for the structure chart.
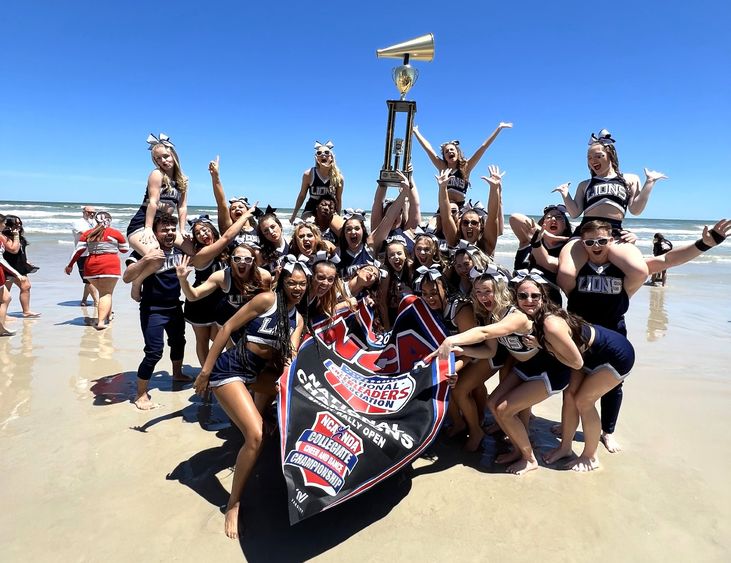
(404, 76)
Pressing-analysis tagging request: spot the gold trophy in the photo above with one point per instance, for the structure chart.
(398, 151)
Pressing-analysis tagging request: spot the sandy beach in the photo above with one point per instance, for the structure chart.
(87, 477)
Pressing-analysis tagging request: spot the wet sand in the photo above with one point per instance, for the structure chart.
(88, 477)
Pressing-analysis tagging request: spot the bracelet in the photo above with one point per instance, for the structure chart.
(718, 237)
(535, 242)
(702, 246)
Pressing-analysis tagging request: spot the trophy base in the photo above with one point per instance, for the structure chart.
(390, 177)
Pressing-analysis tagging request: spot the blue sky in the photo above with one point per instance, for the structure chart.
(84, 83)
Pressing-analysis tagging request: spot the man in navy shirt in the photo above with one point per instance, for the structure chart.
(161, 311)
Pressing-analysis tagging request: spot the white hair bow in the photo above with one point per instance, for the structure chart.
(424, 272)
(490, 270)
(323, 256)
(290, 261)
(327, 145)
(604, 138)
(351, 213)
(534, 275)
(470, 248)
(477, 207)
(163, 139)
(308, 221)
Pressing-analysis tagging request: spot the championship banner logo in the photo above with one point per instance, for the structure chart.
(354, 409)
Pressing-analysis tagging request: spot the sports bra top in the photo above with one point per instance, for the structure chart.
(263, 329)
(612, 191)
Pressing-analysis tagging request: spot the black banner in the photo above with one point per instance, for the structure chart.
(353, 410)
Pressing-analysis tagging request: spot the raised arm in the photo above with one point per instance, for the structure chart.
(494, 222)
(339, 197)
(682, 254)
(574, 205)
(413, 219)
(475, 158)
(380, 233)
(302, 195)
(449, 227)
(379, 197)
(642, 195)
(430, 152)
(208, 253)
(224, 219)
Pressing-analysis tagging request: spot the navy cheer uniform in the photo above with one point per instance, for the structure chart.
(202, 312)
(599, 298)
(534, 364)
(609, 350)
(524, 261)
(457, 184)
(317, 188)
(168, 202)
(351, 262)
(241, 364)
(612, 191)
(161, 312)
(232, 299)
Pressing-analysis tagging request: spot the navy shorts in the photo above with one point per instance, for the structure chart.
(610, 350)
(546, 368)
(233, 365)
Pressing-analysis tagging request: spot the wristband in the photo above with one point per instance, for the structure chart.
(717, 237)
(535, 241)
(702, 246)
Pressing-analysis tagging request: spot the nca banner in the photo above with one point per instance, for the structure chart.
(353, 409)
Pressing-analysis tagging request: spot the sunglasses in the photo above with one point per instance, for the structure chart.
(598, 241)
(244, 259)
(525, 296)
(470, 223)
(320, 153)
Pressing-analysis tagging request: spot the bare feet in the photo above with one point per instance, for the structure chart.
(583, 464)
(508, 457)
(231, 524)
(144, 403)
(31, 315)
(523, 466)
(610, 443)
(6, 332)
(473, 442)
(101, 326)
(557, 453)
(180, 376)
(493, 428)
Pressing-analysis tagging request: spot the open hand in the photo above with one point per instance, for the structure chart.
(504, 125)
(563, 189)
(722, 229)
(654, 176)
(183, 269)
(496, 177)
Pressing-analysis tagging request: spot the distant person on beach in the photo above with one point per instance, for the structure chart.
(102, 245)
(660, 246)
(454, 163)
(323, 178)
(161, 310)
(608, 195)
(79, 226)
(166, 192)
(6, 267)
(15, 255)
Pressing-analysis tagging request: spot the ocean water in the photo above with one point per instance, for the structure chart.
(50, 222)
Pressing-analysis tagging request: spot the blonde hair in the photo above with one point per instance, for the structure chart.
(501, 296)
(181, 180)
(335, 177)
